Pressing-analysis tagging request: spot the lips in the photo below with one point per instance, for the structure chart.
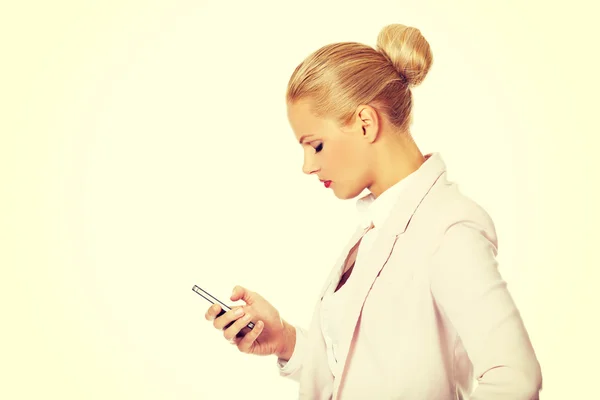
(326, 183)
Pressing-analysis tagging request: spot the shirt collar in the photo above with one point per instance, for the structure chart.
(376, 210)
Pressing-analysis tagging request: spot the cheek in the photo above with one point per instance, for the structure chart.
(347, 160)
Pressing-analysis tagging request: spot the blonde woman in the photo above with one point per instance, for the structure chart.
(415, 308)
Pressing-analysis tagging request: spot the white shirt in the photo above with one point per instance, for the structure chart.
(370, 210)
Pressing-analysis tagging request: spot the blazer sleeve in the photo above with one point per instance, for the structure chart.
(292, 368)
(469, 290)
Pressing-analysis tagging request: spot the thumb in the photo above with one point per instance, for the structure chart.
(241, 293)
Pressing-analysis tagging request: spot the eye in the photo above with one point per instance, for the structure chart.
(318, 147)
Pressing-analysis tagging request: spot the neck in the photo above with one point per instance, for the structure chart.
(397, 157)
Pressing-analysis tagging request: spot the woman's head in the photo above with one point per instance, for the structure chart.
(349, 97)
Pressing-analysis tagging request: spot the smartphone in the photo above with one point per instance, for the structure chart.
(210, 298)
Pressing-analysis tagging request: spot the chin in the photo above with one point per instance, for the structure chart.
(347, 194)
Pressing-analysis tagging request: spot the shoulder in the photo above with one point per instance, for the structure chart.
(449, 214)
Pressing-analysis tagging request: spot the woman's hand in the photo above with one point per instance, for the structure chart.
(270, 335)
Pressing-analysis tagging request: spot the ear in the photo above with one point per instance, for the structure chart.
(367, 120)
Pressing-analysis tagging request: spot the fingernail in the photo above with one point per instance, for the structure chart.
(238, 312)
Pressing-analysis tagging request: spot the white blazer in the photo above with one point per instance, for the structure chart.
(428, 311)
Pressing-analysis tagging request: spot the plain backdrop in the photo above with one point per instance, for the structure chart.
(145, 148)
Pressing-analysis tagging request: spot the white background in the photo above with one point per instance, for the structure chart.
(145, 148)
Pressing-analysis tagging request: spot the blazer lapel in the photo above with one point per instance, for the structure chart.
(336, 270)
(315, 369)
(366, 275)
(378, 255)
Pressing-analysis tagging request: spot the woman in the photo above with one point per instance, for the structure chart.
(415, 307)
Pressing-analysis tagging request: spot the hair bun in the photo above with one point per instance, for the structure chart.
(407, 50)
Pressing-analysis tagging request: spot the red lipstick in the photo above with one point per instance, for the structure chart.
(327, 183)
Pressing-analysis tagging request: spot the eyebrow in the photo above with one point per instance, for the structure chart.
(304, 137)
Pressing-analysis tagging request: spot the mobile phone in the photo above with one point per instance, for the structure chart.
(224, 307)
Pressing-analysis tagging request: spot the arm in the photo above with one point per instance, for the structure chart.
(289, 360)
(469, 289)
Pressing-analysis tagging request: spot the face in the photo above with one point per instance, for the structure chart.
(340, 156)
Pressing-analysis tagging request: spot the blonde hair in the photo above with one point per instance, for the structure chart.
(339, 77)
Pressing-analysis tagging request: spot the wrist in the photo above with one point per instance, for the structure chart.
(288, 342)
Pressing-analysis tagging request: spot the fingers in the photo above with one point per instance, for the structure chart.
(224, 321)
(230, 333)
(241, 293)
(245, 344)
(212, 312)
(234, 322)
(220, 318)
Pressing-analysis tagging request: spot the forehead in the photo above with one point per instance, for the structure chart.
(303, 120)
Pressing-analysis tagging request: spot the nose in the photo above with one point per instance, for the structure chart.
(309, 167)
